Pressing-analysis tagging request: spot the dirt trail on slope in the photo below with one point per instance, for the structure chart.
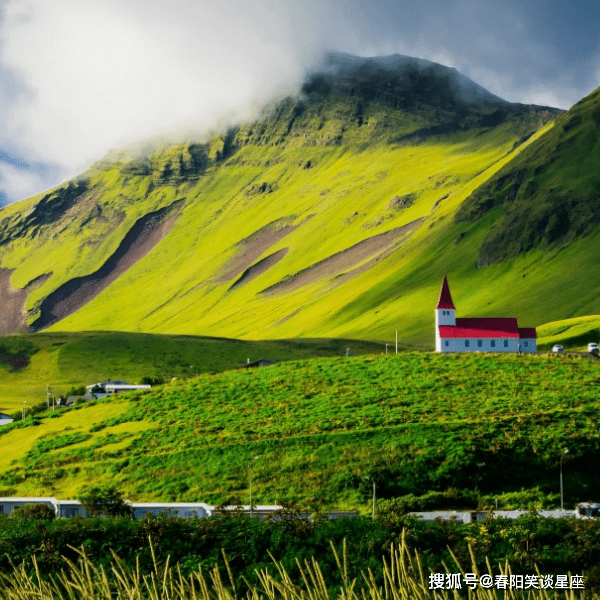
(252, 247)
(147, 231)
(12, 306)
(339, 262)
(258, 268)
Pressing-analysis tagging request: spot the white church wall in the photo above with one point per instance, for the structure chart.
(528, 345)
(478, 345)
(443, 317)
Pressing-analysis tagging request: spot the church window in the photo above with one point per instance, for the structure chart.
(447, 343)
(479, 343)
(506, 343)
(466, 343)
(493, 343)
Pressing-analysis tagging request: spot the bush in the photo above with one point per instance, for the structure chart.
(451, 499)
(156, 380)
(33, 511)
(104, 500)
(76, 391)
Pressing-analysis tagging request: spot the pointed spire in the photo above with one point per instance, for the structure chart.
(445, 300)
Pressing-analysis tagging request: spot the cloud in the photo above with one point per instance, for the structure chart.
(99, 73)
(17, 183)
(80, 77)
(513, 49)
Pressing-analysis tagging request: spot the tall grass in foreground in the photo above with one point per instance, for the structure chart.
(403, 579)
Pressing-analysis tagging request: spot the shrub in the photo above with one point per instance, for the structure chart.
(156, 380)
(104, 500)
(33, 511)
(76, 391)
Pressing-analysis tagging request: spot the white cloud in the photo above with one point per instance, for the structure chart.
(79, 77)
(104, 72)
(18, 183)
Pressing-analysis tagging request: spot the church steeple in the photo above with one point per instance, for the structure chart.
(445, 313)
(445, 300)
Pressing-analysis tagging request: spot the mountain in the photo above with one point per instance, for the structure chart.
(334, 214)
(550, 193)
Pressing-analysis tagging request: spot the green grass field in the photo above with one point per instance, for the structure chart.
(416, 422)
(66, 360)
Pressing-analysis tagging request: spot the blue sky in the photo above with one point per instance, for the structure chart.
(79, 77)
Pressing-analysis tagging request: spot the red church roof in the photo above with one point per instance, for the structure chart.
(527, 333)
(482, 328)
(445, 300)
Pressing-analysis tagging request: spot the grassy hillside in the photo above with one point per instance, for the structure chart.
(333, 215)
(415, 422)
(67, 360)
(574, 334)
(549, 193)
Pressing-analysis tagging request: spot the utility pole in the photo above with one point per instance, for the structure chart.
(561, 479)
(373, 499)
(250, 484)
(396, 341)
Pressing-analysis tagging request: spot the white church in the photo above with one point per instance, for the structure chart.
(479, 334)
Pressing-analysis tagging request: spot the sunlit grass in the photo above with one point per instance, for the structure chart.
(418, 421)
(19, 441)
(574, 333)
(66, 360)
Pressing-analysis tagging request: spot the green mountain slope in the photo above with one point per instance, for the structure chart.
(333, 216)
(550, 193)
(417, 422)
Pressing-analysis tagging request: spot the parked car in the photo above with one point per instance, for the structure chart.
(587, 510)
(593, 348)
(557, 348)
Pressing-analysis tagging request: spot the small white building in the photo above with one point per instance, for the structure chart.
(114, 387)
(186, 510)
(5, 419)
(70, 508)
(7, 505)
(172, 509)
(478, 334)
